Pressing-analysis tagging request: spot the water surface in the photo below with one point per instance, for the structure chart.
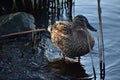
(110, 20)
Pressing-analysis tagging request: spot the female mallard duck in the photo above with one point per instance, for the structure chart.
(72, 37)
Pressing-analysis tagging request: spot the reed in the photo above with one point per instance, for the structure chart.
(101, 45)
(21, 33)
(33, 6)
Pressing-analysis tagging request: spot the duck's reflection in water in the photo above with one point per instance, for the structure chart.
(74, 70)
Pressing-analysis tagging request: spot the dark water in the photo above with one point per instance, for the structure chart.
(110, 19)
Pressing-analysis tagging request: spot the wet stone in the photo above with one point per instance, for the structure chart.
(16, 22)
(18, 62)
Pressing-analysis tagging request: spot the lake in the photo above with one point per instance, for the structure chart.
(110, 20)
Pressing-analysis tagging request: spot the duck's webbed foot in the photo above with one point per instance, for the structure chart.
(79, 59)
(63, 54)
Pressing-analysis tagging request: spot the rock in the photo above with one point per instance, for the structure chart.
(51, 52)
(16, 22)
(18, 62)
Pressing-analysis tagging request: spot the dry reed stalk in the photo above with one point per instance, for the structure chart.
(21, 33)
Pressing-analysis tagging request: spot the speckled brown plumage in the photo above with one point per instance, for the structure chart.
(72, 37)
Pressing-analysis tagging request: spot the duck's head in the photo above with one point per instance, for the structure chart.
(81, 20)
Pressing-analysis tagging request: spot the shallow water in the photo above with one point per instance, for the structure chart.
(110, 19)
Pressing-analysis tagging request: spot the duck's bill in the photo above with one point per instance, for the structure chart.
(91, 28)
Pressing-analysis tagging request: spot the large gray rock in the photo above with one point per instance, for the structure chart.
(16, 22)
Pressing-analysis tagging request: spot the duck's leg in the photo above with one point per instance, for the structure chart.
(79, 59)
(63, 54)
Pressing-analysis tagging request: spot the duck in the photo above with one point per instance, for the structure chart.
(73, 38)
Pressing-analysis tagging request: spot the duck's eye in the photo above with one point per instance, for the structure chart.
(51, 29)
(65, 27)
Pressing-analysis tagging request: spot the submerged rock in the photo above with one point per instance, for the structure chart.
(16, 22)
